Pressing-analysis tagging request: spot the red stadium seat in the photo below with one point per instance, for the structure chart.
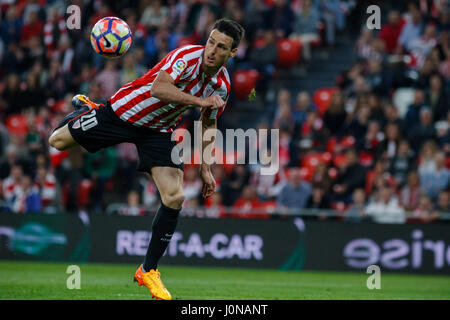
(331, 144)
(17, 124)
(322, 98)
(332, 173)
(348, 142)
(244, 81)
(311, 160)
(338, 206)
(259, 42)
(84, 190)
(339, 160)
(366, 158)
(288, 53)
(307, 173)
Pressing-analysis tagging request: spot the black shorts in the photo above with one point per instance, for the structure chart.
(95, 129)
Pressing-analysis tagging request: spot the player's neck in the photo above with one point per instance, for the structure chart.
(210, 71)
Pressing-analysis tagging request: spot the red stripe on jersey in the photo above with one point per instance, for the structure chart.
(131, 103)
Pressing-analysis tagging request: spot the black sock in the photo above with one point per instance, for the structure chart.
(70, 116)
(163, 227)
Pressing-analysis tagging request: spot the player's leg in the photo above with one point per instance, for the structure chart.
(169, 182)
(61, 138)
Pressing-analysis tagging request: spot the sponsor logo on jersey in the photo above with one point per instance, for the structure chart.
(179, 65)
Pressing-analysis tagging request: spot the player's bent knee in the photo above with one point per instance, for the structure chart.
(174, 200)
(57, 141)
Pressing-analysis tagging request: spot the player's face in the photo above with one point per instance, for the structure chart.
(218, 49)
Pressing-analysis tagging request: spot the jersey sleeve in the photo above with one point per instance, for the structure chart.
(177, 64)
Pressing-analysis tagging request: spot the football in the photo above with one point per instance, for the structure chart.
(111, 37)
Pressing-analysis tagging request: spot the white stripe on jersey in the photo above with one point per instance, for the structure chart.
(138, 107)
(116, 105)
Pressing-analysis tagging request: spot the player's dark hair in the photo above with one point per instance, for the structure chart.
(230, 28)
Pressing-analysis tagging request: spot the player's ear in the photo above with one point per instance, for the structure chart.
(233, 53)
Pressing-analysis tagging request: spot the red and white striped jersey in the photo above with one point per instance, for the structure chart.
(134, 103)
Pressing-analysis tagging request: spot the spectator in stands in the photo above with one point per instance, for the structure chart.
(351, 176)
(264, 58)
(411, 192)
(443, 134)
(438, 179)
(248, 205)
(215, 208)
(32, 28)
(295, 194)
(13, 99)
(437, 98)
(108, 79)
(333, 15)
(377, 79)
(421, 47)
(321, 177)
(100, 167)
(357, 209)
(305, 28)
(385, 208)
(412, 117)
(49, 190)
(402, 163)
(443, 203)
(302, 106)
(284, 118)
(371, 140)
(11, 26)
(235, 183)
(390, 32)
(278, 17)
(335, 116)
(388, 148)
(357, 127)
(318, 199)
(192, 184)
(424, 212)
(427, 157)
(411, 30)
(12, 183)
(26, 197)
(133, 206)
(424, 131)
(378, 176)
(283, 98)
(363, 45)
(154, 14)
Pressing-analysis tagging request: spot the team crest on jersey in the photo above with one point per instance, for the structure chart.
(179, 65)
(76, 124)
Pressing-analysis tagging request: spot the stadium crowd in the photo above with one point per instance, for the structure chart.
(378, 148)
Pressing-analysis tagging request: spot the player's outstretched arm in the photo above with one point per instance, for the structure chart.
(209, 183)
(164, 89)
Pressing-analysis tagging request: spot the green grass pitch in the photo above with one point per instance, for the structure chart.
(40, 280)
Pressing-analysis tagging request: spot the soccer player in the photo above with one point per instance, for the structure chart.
(145, 112)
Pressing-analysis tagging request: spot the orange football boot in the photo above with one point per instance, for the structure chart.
(152, 280)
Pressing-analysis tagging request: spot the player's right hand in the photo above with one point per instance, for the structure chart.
(213, 102)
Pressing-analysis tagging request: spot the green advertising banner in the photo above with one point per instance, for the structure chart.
(286, 244)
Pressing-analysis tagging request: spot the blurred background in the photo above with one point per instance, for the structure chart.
(363, 114)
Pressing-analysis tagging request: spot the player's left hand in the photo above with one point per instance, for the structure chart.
(209, 183)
